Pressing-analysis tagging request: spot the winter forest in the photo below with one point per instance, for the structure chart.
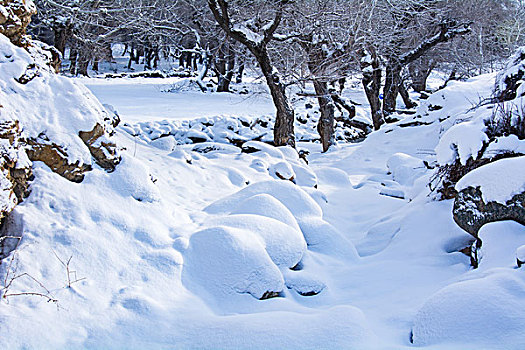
(262, 174)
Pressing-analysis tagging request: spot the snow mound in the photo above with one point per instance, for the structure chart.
(405, 169)
(266, 205)
(285, 245)
(499, 181)
(298, 202)
(319, 234)
(462, 141)
(229, 261)
(500, 241)
(479, 313)
(283, 171)
(303, 282)
(133, 178)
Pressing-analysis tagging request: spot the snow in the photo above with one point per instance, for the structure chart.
(492, 295)
(520, 253)
(498, 181)
(285, 245)
(59, 108)
(506, 144)
(267, 205)
(176, 246)
(133, 98)
(230, 261)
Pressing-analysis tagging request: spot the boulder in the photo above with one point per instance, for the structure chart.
(471, 212)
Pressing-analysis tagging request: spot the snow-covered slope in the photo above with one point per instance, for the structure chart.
(209, 246)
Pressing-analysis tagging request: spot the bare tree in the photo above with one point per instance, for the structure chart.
(255, 37)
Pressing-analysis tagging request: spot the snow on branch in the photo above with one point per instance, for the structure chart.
(446, 33)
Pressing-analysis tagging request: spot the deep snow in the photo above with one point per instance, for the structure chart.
(175, 247)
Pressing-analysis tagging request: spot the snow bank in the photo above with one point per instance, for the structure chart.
(486, 310)
(499, 181)
(226, 261)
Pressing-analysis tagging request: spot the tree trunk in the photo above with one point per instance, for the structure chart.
(73, 55)
(391, 88)
(95, 64)
(83, 60)
(138, 52)
(419, 71)
(225, 67)
(406, 97)
(240, 71)
(372, 84)
(283, 131)
(61, 39)
(325, 126)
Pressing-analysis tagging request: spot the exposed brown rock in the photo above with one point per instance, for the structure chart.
(103, 151)
(15, 19)
(14, 180)
(56, 159)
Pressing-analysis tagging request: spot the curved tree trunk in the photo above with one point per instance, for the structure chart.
(325, 126)
(283, 131)
(372, 84)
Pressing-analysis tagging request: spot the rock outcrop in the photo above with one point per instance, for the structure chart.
(15, 16)
(101, 148)
(15, 170)
(43, 116)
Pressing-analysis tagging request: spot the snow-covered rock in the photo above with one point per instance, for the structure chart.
(228, 261)
(510, 81)
(493, 192)
(479, 313)
(285, 245)
(266, 205)
(498, 181)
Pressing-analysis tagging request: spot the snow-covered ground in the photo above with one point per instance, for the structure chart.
(146, 99)
(177, 246)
